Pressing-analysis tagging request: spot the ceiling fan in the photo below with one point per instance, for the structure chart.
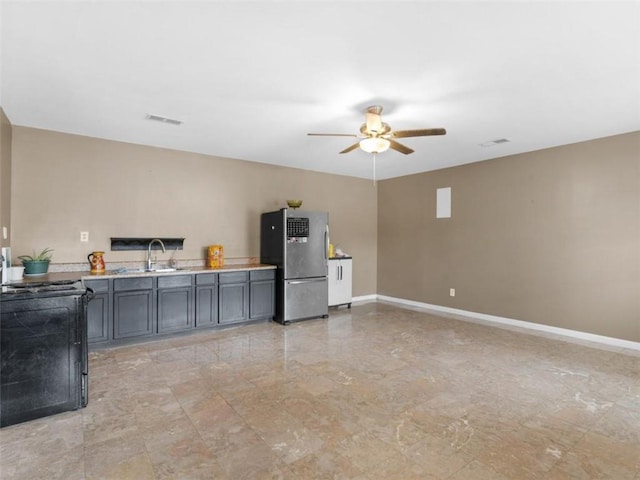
(378, 136)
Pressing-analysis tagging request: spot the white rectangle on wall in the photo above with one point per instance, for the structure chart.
(443, 202)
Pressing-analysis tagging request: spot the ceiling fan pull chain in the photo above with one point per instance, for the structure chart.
(374, 169)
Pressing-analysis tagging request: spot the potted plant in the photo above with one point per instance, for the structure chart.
(36, 264)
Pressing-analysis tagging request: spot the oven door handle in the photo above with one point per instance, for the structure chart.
(90, 294)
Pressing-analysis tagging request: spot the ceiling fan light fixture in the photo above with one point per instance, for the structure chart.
(374, 145)
(373, 122)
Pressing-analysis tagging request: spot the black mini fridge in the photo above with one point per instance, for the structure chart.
(44, 359)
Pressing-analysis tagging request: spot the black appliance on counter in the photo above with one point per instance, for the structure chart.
(298, 243)
(43, 350)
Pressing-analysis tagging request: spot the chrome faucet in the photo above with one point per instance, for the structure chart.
(164, 250)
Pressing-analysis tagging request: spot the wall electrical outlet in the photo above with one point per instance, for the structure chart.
(84, 236)
(452, 292)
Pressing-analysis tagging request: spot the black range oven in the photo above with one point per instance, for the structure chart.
(43, 350)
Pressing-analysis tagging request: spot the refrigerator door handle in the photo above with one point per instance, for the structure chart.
(313, 280)
(326, 243)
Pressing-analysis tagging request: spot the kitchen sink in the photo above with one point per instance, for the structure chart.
(127, 271)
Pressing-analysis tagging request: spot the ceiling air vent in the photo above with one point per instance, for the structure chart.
(159, 118)
(491, 143)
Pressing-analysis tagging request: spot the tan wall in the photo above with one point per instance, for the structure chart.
(551, 237)
(65, 184)
(5, 177)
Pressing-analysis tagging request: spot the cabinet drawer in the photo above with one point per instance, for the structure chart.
(97, 285)
(206, 279)
(136, 283)
(234, 277)
(262, 274)
(174, 281)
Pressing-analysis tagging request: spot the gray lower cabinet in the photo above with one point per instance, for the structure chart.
(99, 311)
(175, 303)
(262, 293)
(233, 300)
(128, 307)
(206, 308)
(133, 312)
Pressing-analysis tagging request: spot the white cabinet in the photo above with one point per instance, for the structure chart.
(340, 274)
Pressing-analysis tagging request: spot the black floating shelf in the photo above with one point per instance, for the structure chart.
(137, 243)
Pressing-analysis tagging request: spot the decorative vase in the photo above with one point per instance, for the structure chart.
(35, 267)
(96, 261)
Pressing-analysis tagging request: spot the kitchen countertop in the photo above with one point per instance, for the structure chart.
(85, 275)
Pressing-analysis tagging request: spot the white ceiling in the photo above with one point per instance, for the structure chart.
(250, 79)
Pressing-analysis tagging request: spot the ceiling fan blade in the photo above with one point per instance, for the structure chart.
(423, 132)
(332, 134)
(351, 148)
(398, 147)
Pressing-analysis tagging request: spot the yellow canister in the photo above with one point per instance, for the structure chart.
(331, 250)
(215, 256)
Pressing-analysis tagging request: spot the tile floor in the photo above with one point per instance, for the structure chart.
(375, 392)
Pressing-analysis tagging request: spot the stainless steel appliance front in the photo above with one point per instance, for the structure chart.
(306, 256)
(305, 298)
(297, 242)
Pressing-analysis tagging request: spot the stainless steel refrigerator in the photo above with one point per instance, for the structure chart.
(298, 243)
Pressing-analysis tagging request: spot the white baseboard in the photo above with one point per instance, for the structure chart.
(466, 315)
(365, 298)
